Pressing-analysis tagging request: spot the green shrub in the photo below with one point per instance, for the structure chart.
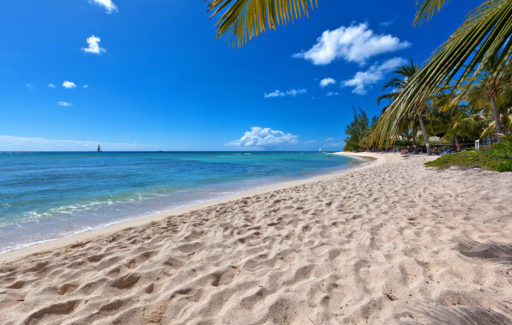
(496, 157)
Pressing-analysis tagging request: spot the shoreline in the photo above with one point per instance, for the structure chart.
(371, 160)
(391, 242)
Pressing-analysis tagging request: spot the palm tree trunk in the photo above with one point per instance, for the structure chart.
(414, 139)
(496, 118)
(424, 132)
(455, 142)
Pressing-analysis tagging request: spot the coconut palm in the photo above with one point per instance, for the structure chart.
(243, 20)
(450, 119)
(396, 84)
(492, 81)
(484, 36)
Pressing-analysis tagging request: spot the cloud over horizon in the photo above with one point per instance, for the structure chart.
(15, 143)
(109, 5)
(355, 43)
(93, 47)
(363, 79)
(279, 93)
(264, 137)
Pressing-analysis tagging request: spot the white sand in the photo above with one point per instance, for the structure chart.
(391, 243)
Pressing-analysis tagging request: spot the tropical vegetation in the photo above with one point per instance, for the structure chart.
(463, 92)
(496, 157)
(358, 131)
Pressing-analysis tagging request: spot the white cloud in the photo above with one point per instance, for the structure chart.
(85, 86)
(64, 104)
(332, 93)
(264, 137)
(68, 84)
(107, 4)
(52, 85)
(375, 73)
(14, 143)
(355, 43)
(29, 86)
(290, 92)
(332, 143)
(387, 23)
(326, 82)
(94, 47)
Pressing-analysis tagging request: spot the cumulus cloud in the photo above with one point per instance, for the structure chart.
(85, 86)
(52, 85)
(355, 43)
(374, 74)
(29, 86)
(109, 5)
(279, 93)
(93, 47)
(68, 84)
(264, 137)
(326, 82)
(64, 104)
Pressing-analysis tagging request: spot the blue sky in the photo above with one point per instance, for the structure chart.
(150, 75)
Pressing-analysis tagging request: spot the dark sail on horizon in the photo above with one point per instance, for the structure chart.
(99, 148)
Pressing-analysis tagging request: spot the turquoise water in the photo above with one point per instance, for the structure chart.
(44, 196)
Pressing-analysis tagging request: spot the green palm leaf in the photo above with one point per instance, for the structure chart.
(242, 20)
(427, 9)
(484, 35)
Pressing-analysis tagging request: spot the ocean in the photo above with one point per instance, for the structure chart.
(45, 196)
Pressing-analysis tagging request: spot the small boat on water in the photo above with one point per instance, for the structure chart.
(99, 148)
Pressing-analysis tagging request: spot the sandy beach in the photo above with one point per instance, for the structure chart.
(390, 243)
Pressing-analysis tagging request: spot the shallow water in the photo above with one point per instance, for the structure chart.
(44, 196)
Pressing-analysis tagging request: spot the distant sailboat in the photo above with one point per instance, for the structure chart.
(99, 148)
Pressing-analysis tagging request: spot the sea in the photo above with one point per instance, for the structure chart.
(50, 195)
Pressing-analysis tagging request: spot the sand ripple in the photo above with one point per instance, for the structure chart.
(392, 244)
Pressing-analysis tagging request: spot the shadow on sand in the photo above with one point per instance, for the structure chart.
(492, 252)
(462, 315)
(471, 315)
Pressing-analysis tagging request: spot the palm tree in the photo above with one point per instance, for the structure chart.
(396, 84)
(450, 119)
(245, 19)
(492, 81)
(484, 36)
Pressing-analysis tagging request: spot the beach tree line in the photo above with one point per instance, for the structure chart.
(453, 118)
(474, 61)
(462, 92)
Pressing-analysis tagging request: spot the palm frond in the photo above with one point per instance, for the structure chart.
(427, 9)
(242, 20)
(484, 34)
(489, 130)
